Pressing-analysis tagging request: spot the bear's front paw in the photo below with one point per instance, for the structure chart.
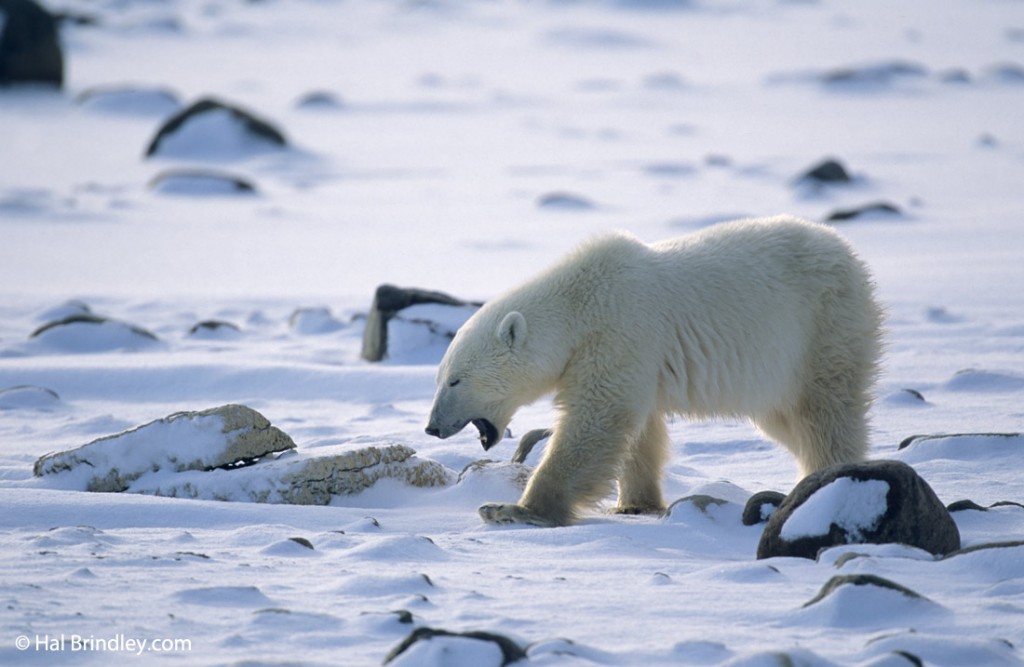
(502, 513)
(639, 509)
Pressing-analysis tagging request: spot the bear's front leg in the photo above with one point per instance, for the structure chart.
(578, 469)
(504, 513)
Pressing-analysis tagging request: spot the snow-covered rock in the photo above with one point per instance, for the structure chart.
(28, 397)
(431, 646)
(301, 478)
(230, 453)
(224, 436)
(312, 321)
(212, 129)
(130, 100)
(85, 332)
(875, 502)
(200, 182)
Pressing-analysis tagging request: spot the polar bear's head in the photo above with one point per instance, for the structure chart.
(487, 373)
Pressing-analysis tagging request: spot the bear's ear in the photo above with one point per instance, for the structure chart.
(512, 330)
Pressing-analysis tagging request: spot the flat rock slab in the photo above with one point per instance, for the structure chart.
(228, 435)
(301, 479)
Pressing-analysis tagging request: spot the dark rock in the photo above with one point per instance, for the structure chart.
(527, 442)
(829, 171)
(760, 506)
(302, 541)
(29, 46)
(838, 581)
(30, 397)
(255, 128)
(200, 182)
(86, 332)
(914, 660)
(909, 513)
(388, 301)
(961, 505)
(84, 318)
(924, 438)
(1006, 503)
(880, 74)
(1007, 73)
(873, 210)
(565, 201)
(967, 504)
(215, 327)
(511, 652)
(320, 101)
(1012, 544)
(405, 616)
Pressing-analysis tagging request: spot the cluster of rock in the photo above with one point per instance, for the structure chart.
(875, 502)
(230, 453)
(400, 324)
(830, 173)
(897, 73)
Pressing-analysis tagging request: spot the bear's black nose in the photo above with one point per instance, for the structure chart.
(434, 431)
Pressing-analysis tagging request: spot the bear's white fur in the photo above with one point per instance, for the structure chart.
(771, 319)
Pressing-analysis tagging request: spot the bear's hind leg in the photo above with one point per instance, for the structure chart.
(834, 430)
(823, 430)
(640, 479)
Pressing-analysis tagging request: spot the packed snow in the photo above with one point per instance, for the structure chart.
(462, 147)
(853, 505)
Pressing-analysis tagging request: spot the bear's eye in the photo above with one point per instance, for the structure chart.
(452, 383)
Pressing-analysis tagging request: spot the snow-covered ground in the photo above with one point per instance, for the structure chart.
(463, 147)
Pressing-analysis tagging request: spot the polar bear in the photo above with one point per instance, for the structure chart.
(770, 319)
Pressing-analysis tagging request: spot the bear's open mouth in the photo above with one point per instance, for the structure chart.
(488, 432)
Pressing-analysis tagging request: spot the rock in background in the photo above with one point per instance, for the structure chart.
(876, 502)
(85, 331)
(29, 47)
(402, 319)
(200, 183)
(214, 130)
